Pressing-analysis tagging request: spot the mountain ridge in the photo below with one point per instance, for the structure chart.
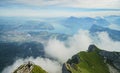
(93, 61)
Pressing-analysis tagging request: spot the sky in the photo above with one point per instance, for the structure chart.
(59, 8)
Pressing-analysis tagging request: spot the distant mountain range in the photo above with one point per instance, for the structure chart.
(27, 26)
(84, 22)
(71, 23)
(113, 19)
(114, 34)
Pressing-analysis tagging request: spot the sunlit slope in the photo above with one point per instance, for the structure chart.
(89, 62)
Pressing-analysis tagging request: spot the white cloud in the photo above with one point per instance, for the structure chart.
(94, 3)
(106, 43)
(62, 51)
(73, 3)
(60, 8)
(11, 68)
(47, 64)
(114, 26)
(54, 13)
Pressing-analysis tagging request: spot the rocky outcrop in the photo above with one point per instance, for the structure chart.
(75, 59)
(112, 58)
(26, 68)
(112, 69)
(70, 63)
(65, 69)
(92, 48)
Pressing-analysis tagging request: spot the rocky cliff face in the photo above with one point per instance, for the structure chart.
(112, 58)
(93, 61)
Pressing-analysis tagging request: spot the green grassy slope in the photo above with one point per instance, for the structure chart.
(36, 69)
(90, 62)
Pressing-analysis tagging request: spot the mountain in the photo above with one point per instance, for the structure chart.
(77, 23)
(26, 26)
(113, 19)
(9, 52)
(84, 22)
(29, 68)
(114, 34)
(93, 61)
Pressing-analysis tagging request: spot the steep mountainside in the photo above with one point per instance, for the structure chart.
(93, 61)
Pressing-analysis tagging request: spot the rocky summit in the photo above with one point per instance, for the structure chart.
(29, 68)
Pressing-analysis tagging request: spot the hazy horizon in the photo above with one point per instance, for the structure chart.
(56, 8)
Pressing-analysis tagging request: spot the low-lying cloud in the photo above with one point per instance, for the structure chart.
(47, 64)
(106, 43)
(63, 50)
(114, 26)
(68, 3)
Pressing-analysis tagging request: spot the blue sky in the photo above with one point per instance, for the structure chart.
(59, 8)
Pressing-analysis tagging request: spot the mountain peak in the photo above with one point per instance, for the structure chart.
(94, 60)
(29, 67)
(92, 48)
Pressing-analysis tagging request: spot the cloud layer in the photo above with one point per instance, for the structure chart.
(45, 13)
(63, 50)
(70, 3)
(114, 26)
(106, 43)
(59, 8)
